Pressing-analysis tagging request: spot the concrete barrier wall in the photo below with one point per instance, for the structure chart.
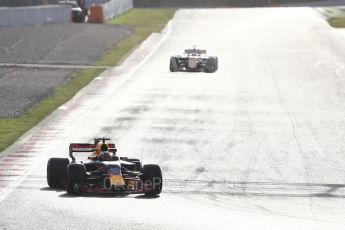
(19, 3)
(115, 8)
(216, 3)
(34, 15)
(316, 3)
(198, 3)
(89, 3)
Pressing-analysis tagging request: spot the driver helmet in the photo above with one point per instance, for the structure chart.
(105, 156)
(102, 151)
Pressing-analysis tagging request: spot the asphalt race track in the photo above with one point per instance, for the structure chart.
(257, 145)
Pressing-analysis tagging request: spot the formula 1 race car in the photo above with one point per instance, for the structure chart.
(194, 60)
(103, 172)
(78, 14)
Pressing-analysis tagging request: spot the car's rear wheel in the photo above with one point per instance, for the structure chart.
(173, 64)
(56, 170)
(75, 177)
(78, 17)
(152, 179)
(216, 58)
(211, 65)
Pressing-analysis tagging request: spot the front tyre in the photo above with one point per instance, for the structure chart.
(173, 64)
(75, 177)
(152, 179)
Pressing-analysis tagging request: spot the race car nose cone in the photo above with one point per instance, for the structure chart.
(116, 180)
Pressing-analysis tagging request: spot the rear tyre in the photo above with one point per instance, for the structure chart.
(173, 64)
(75, 177)
(152, 179)
(216, 58)
(78, 17)
(56, 170)
(212, 65)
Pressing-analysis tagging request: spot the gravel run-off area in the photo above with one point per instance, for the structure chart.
(68, 44)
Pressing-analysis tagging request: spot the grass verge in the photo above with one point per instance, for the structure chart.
(335, 16)
(143, 23)
(337, 22)
(12, 128)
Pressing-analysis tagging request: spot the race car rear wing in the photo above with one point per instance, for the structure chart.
(86, 148)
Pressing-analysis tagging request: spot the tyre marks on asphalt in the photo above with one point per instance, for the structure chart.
(221, 187)
(254, 189)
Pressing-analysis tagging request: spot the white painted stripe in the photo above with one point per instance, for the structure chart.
(63, 107)
(338, 70)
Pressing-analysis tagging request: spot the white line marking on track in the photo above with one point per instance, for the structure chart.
(319, 63)
(16, 44)
(63, 107)
(14, 184)
(338, 70)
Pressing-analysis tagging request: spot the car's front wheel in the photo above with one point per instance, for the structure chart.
(173, 64)
(152, 179)
(75, 177)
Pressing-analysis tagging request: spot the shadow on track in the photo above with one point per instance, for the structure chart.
(228, 188)
(52, 189)
(99, 195)
(242, 188)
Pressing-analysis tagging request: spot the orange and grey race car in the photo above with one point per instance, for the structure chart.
(103, 172)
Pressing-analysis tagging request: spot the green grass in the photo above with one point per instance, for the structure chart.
(337, 22)
(142, 21)
(335, 16)
(12, 128)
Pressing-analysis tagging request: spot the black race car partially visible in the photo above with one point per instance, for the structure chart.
(194, 60)
(77, 13)
(103, 172)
